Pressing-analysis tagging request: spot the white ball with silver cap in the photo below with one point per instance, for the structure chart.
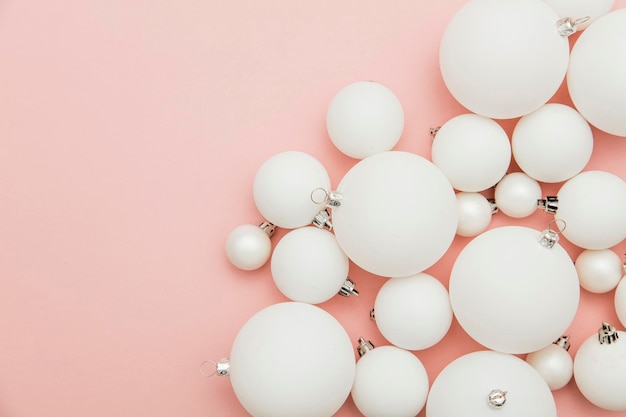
(599, 271)
(248, 247)
(475, 213)
(516, 195)
(554, 363)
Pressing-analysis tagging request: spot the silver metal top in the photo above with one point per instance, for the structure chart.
(607, 334)
(496, 398)
(563, 342)
(549, 238)
(372, 315)
(219, 368)
(550, 204)
(493, 205)
(322, 220)
(364, 346)
(567, 26)
(434, 130)
(268, 228)
(347, 289)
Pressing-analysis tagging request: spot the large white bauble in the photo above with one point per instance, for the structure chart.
(398, 214)
(593, 204)
(364, 118)
(554, 364)
(595, 77)
(283, 185)
(473, 151)
(292, 359)
(390, 382)
(463, 387)
(599, 271)
(248, 247)
(512, 294)
(475, 213)
(308, 265)
(503, 59)
(553, 143)
(579, 9)
(516, 195)
(413, 312)
(620, 301)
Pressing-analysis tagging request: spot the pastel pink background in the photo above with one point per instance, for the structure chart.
(130, 133)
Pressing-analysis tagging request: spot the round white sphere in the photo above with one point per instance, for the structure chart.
(510, 293)
(487, 70)
(248, 247)
(620, 301)
(413, 312)
(600, 372)
(553, 143)
(364, 118)
(292, 359)
(474, 213)
(577, 9)
(516, 195)
(554, 364)
(390, 382)
(283, 185)
(398, 215)
(596, 72)
(593, 204)
(474, 152)
(308, 265)
(599, 271)
(462, 388)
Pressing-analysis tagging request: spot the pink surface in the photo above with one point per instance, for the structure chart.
(130, 133)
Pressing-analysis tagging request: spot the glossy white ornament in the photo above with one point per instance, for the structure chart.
(579, 9)
(487, 70)
(283, 185)
(599, 271)
(596, 71)
(554, 364)
(292, 359)
(308, 265)
(390, 382)
(364, 118)
(620, 301)
(248, 247)
(474, 152)
(553, 143)
(512, 294)
(475, 213)
(463, 388)
(398, 214)
(413, 312)
(516, 195)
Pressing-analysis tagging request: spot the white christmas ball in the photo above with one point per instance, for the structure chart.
(599, 271)
(474, 213)
(292, 359)
(596, 72)
(413, 312)
(593, 204)
(512, 294)
(464, 388)
(308, 265)
(579, 9)
(516, 195)
(473, 151)
(398, 214)
(248, 247)
(553, 143)
(364, 118)
(390, 382)
(620, 301)
(554, 364)
(283, 186)
(485, 53)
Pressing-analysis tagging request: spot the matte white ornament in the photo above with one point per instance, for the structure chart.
(398, 214)
(475, 213)
(512, 294)
(485, 53)
(516, 195)
(292, 359)
(554, 363)
(365, 118)
(474, 152)
(283, 186)
(600, 368)
(413, 312)
(620, 301)
(596, 71)
(487, 383)
(599, 271)
(248, 246)
(579, 9)
(553, 143)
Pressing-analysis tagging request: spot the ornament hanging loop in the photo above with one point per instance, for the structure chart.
(567, 26)
(550, 237)
(331, 198)
(219, 368)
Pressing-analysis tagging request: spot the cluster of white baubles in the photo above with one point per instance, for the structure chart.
(513, 289)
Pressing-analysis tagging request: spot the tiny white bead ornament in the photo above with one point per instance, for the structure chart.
(475, 213)
(554, 363)
(599, 271)
(248, 247)
(516, 195)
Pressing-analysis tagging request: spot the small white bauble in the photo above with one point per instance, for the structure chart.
(620, 301)
(283, 186)
(580, 9)
(553, 143)
(248, 246)
(390, 382)
(516, 195)
(596, 71)
(292, 359)
(600, 369)
(487, 70)
(599, 271)
(553, 363)
(413, 312)
(475, 213)
(474, 152)
(488, 383)
(386, 229)
(365, 118)
(308, 265)
(504, 287)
